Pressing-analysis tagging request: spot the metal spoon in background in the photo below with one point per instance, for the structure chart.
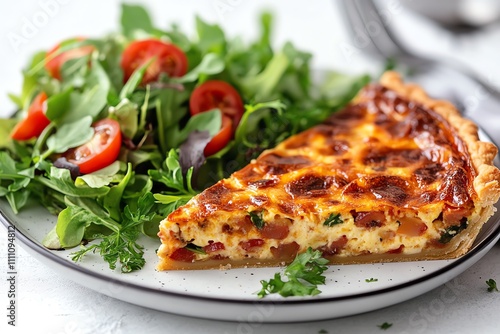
(360, 14)
(458, 15)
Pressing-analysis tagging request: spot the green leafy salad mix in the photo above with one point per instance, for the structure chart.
(114, 133)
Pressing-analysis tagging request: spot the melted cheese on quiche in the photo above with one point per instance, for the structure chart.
(383, 176)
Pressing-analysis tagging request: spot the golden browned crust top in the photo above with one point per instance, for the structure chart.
(487, 180)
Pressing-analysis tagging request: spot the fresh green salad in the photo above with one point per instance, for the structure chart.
(114, 133)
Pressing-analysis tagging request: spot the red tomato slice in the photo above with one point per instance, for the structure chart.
(53, 63)
(169, 59)
(35, 122)
(101, 151)
(217, 94)
(183, 255)
(220, 140)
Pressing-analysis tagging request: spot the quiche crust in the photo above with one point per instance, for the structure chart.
(368, 185)
(487, 180)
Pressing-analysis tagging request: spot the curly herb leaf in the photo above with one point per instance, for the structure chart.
(303, 275)
(492, 285)
(121, 246)
(385, 325)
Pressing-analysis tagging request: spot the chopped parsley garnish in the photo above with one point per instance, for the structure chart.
(333, 219)
(120, 245)
(452, 231)
(256, 218)
(369, 280)
(304, 275)
(195, 249)
(385, 325)
(492, 285)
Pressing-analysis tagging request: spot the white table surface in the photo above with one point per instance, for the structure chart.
(50, 303)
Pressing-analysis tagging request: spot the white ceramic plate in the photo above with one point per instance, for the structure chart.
(230, 295)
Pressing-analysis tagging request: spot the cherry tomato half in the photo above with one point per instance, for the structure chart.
(217, 94)
(35, 121)
(101, 151)
(220, 140)
(54, 63)
(169, 59)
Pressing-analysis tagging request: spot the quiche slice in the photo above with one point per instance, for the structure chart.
(395, 176)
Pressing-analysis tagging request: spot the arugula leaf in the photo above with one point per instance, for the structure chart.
(73, 71)
(171, 175)
(110, 52)
(58, 105)
(51, 240)
(133, 18)
(100, 178)
(253, 114)
(71, 224)
(304, 275)
(60, 180)
(135, 80)
(111, 201)
(169, 111)
(126, 112)
(6, 127)
(179, 188)
(70, 135)
(17, 199)
(14, 180)
(209, 121)
(139, 185)
(99, 213)
(210, 37)
(167, 199)
(263, 85)
(93, 98)
(209, 65)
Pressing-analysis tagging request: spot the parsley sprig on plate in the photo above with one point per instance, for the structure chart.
(303, 276)
(161, 162)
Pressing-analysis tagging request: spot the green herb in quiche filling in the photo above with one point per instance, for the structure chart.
(195, 249)
(333, 219)
(452, 231)
(256, 218)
